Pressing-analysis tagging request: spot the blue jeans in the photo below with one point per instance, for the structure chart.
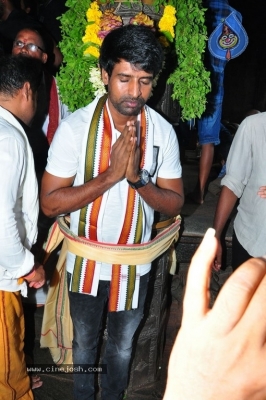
(87, 314)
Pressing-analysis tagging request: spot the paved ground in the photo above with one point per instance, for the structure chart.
(196, 220)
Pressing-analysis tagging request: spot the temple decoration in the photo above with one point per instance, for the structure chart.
(85, 25)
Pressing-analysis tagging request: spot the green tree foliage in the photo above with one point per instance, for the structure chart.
(191, 81)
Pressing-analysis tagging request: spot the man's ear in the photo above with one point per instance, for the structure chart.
(105, 77)
(44, 58)
(26, 90)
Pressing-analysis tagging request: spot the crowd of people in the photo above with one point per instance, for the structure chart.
(109, 166)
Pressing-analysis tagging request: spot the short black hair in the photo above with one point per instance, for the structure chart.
(15, 71)
(135, 44)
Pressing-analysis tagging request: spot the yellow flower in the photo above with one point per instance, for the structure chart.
(94, 13)
(168, 20)
(91, 34)
(93, 51)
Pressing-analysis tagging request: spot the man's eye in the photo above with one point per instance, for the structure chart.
(145, 81)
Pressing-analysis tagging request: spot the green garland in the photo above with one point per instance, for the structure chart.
(75, 88)
(191, 82)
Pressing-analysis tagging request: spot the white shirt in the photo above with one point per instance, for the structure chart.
(64, 160)
(245, 173)
(16, 238)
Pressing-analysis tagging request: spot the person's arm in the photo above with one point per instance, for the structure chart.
(220, 353)
(58, 196)
(16, 260)
(238, 171)
(166, 197)
(225, 205)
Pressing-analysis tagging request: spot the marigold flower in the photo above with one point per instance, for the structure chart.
(91, 35)
(93, 51)
(94, 13)
(168, 20)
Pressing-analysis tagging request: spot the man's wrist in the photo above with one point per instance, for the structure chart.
(143, 180)
(133, 180)
(28, 277)
(218, 233)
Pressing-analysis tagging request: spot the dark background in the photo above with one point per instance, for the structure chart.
(245, 76)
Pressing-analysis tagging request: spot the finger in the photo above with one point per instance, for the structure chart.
(37, 284)
(129, 129)
(254, 319)
(196, 301)
(262, 191)
(235, 295)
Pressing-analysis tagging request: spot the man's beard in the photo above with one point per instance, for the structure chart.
(128, 111)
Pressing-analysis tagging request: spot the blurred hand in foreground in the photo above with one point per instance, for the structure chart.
(220, 353)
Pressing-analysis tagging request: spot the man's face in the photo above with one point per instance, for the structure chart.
(128, 88)
(25, 37)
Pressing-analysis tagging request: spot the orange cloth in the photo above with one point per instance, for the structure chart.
(14, 380)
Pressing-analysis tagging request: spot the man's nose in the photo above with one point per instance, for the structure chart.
(134, 89)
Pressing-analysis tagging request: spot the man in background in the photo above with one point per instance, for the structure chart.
(244, 180)
(223, 45)
(13, 19)
(19, 81)
(50, 110)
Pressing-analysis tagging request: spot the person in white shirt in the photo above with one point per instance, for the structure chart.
(50, 111)
(19, 81)
(110, 165)
(244, 180)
